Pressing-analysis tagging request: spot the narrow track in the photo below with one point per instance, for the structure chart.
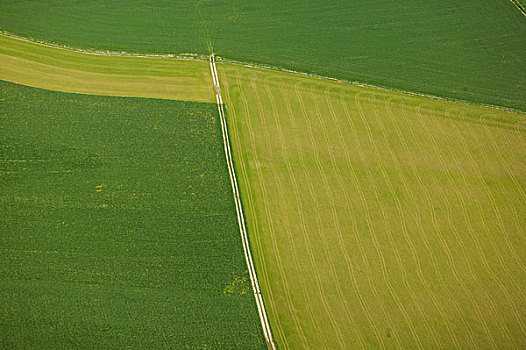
(519, 6)
(239, 211)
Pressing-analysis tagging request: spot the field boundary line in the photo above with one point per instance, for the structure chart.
(272, 68)
(200, 57)
(239, 210)
(519, 6)
(180, 56)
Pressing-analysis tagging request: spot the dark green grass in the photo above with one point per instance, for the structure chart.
(117, 226)
(465, 49)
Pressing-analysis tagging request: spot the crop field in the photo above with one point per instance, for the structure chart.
(118, 227)
(377, 219)
(58, 69)
(381, 220)
(465, 49)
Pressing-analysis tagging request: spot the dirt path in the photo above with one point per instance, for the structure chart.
(239, 210)
(519, 6)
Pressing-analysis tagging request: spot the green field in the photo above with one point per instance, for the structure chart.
(118, 227)
(465, 49)
(381, 220)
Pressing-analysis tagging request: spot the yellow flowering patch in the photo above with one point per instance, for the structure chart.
(239, 286)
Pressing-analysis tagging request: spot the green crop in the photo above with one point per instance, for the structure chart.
(118, 227)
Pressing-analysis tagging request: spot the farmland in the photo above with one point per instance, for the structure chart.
(380, 219)
(118, 227)
(377, 219)
(465, 49)
(58, 69)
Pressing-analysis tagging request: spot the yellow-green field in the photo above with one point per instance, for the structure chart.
(62, 70)
(381, 220)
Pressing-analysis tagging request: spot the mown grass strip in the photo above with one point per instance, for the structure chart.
(59, 69)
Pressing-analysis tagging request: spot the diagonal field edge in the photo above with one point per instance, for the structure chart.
(199, 57)
(239, 211)
(519, 6)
